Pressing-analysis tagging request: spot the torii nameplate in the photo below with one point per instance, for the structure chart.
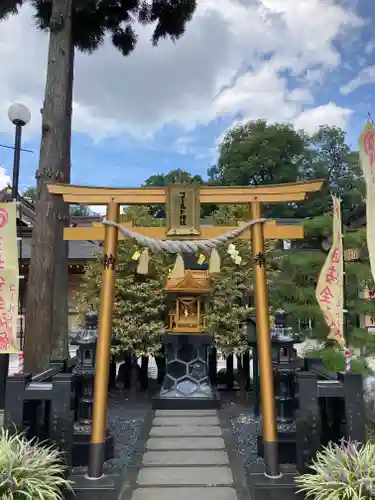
(183, 210)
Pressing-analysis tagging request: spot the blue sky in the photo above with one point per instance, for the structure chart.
(168, 107)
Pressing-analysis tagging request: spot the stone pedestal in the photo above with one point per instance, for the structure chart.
(186, 383)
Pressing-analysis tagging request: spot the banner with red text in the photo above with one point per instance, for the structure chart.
(9, 279)
(367, 161)
(330, 288)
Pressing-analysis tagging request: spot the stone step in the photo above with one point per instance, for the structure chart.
(186, 430)
(195, 476)
(191, 457)
(185, 443)
(185, 421)
(223, 493)
(185, 413)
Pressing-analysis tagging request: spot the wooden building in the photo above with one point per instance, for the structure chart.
(79, 251)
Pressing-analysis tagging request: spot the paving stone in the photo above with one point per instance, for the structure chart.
(186, 430)
(184, 494)
(165, 476)
(186, 421)
(185, 413)
(190, 457)
(185, 443)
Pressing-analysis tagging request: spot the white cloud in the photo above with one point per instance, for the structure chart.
(329, 114)
(193, 81)
(365, 76)
(4, 178)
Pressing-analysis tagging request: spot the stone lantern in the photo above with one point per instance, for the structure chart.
(84, 371)
(283, 357)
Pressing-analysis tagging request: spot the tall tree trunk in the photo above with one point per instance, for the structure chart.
(60, 348)
(48, 218)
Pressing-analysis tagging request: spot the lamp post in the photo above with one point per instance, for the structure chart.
(20, 116)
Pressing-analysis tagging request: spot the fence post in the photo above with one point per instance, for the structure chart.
(256, 381)
(230, 372)
(246, 369)
(308, 424)
(212, 365)
(354, 406)
(62, 413)
(15, 400)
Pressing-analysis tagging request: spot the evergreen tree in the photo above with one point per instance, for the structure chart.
(233, 288)
(295, 284)
(227, 310)
(139, 307)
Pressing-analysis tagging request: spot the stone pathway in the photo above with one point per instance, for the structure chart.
(186, 458)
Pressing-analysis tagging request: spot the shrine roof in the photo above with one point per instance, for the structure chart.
(78, 250)
(192, 282)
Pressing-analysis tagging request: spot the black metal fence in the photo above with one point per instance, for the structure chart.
(46, 406)
(330, 407)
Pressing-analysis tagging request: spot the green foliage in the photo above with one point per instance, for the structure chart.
(139, 306)
(93, 20)
(30, 194)
(227, 312)
(29, 470)
(255, 153)
(250, 155)
(176, 176)
(232, 285)
(141, 216)
(333, 360)
(343, 471)
(80, 210)
(299, 270)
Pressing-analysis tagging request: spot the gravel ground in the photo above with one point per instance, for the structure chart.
(125, 420)
(245, 428)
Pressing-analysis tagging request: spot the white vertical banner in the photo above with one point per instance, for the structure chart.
(330, 288)
(367, 162)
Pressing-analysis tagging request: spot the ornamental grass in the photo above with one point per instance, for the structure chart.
(29, 470)
(344, 471)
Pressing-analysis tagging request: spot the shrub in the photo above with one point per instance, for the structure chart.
(343, 471)
(28, 470)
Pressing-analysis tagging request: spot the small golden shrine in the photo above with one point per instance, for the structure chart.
(187, 311)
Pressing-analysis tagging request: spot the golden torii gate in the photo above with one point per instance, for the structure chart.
(252, 196)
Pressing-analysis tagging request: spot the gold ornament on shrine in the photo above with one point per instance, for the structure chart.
(187, 295)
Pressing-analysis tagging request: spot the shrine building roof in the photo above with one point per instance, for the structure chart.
(193, 282)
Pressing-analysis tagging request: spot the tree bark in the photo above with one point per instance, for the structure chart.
(48, 217)
(60, 347)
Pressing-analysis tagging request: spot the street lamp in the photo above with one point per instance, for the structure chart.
(20, 116)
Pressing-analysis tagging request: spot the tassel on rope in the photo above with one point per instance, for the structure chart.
(179, 268)
(214, 263)
(143, 261)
